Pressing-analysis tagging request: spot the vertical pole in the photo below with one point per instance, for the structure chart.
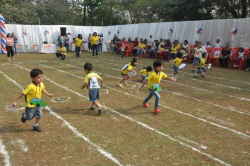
(84, 17)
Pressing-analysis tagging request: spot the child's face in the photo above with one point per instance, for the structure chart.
(240, 50)
(159, 69)
(38, 79)
(135, 63)
(199, 46)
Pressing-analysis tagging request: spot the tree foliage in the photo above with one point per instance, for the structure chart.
(114, 12)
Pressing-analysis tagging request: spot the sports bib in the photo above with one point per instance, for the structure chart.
(93, 83)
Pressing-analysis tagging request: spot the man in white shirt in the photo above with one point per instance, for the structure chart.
(208, 44)
(66, 42)
(217, 44)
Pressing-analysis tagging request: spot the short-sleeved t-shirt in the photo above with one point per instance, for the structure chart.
(202, 62)
(62, 50)
(126, 68)
(144, 72)
(155, 78)
(33, 91)
(91, 79)
(174, 49)
(177, 61)
(78, 42)
(94, 39)
(142, 46)
(198, 52)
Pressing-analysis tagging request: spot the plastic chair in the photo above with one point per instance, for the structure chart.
(128, 51)
(215, 58)
(241, 64)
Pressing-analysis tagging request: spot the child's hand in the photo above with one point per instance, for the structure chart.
(50, 95)
(173, 79)
(14, 104)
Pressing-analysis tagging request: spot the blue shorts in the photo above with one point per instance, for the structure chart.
(196, 61)
(32, 112)
(123, 74)
(93, 94)
(143, 76)
(201, 68)
(176, 69)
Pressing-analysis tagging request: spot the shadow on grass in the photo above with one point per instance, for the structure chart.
(13, 128)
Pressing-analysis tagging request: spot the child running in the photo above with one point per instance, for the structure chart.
(177, 62)
(155, 77)
(145, 72)
(33, 91)
(202, 65)
(92, 84)
(127, 68)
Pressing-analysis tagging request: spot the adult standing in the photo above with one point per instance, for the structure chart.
(15, 42)
(66, 42)
(225, 55)
(78, 44)
(94, 40)
(61, 52)
(59, 40)
(89, 43)
(100, 43)
(10, 47)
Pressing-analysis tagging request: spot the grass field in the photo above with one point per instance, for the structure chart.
(204, 121)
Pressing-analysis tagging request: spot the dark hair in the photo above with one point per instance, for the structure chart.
(8, 35)
(157, 63)
(203, 54)
(79, 36)
(241, 48)
(35, 72)
(149, 68)
(186, 41)
(61, 44)
(179, 54)
(133, 60)
(88, 66)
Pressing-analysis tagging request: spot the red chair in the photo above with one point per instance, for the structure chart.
(191, 47)
(215, 56)
(241, 64)
(165, 54)
(129, 50)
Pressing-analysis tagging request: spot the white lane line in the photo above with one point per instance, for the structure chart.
(102, 151)
(78, 134)
(199, 89)
(190, 115)
(182, 71)
(5, 154)
(140, 123)
(24, 148)
(187, 140)
(231, 109)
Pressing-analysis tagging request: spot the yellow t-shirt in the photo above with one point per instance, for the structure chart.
(142, 46)
(174, 50)
(78, 42)
(144, 72)
(177, 62)
(94, 39)
(62, 50)
(126, 68)
(202, 62)
(33, 91)
(155, 78)
(161, 49)
(198, 52)
(91, 80)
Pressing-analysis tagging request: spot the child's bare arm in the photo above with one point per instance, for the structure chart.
(101, 81)
(143, 84)
(17, 99)
(46, 93)
(171, 79)
(84, 85)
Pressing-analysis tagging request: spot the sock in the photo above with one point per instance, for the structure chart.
(35, 125)
(100, 108)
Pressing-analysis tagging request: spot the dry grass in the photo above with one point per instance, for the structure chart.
(205, 121)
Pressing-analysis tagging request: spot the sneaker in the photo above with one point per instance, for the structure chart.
(23, 119)
(157, 110)
(145, 104)
(9, 59)
(58, 58)
(93, 56)
(203, 75)
(97, 56)
(92, 108)
(193, 71)
(120, 85)
(37, 128)
(12, 59)
(125, 82)
(99, 111)
(195, 76)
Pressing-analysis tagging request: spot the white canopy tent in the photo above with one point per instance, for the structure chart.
(185, 30)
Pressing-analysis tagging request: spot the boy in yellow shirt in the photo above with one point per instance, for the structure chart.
(91, 82)
(127, 68)
(33, 90)
(61, 52)
(155, 78)
(202, 65)
(177, 62)
(146, 72)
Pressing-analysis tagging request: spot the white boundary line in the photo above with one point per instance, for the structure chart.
(5, 154)
(24, 148)
(190, 115)
(78, 134)
(200, 89)
(187, 140)
(231, 109)
(140, 123)
(182, 71)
